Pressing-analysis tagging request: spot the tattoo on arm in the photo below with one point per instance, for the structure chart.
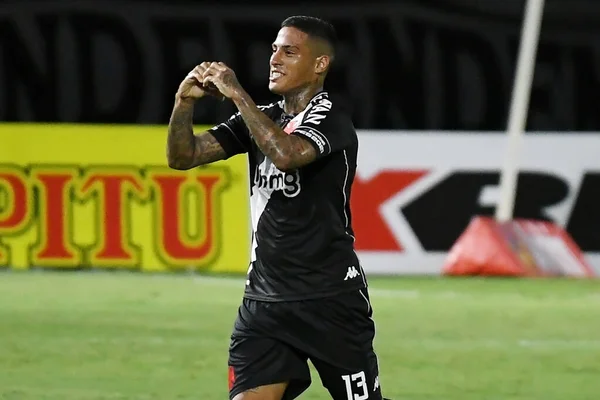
(184, 149)
(207, 149)
(286, 151)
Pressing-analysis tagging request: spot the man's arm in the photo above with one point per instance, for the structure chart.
(286, 151)
(184, 149)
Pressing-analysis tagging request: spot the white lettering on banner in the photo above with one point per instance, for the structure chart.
(409, 228)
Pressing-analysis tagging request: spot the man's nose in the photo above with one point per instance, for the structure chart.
(275, 59)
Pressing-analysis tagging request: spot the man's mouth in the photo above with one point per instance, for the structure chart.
(275, 75)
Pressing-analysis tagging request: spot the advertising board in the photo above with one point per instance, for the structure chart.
(416, 192)
(100, 196)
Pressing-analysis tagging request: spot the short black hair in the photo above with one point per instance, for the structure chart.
(313, 26)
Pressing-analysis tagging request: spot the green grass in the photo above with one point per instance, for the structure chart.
(77, 336)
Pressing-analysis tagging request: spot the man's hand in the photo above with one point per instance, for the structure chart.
(194, 87)
(224, 80)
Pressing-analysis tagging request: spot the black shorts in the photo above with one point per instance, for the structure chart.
(273, 341)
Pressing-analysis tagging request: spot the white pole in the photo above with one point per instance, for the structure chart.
(519, 106)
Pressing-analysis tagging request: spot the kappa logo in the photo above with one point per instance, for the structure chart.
(352, 273)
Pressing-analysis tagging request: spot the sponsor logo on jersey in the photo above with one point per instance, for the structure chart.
(272, 179)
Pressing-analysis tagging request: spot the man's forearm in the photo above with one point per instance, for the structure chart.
(285, 151)
(269, 137)
(180, 140)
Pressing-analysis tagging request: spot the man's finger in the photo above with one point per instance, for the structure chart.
(209, 80)
(214, 67)
(198, 76)
(199, 70)
(217, 66)
(221, 67)
(210, 72)
(195, 71)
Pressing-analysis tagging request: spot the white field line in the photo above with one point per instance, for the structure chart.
(425, 344)
(396, 293)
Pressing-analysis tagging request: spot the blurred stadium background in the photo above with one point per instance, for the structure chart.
(121, 278)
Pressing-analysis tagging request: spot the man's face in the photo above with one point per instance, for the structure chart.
(292, 61)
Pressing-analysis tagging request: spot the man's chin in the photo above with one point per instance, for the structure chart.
(276, 88)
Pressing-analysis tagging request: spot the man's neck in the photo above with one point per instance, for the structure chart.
(296, 102)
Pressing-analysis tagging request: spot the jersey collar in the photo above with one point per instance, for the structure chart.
(313, 100)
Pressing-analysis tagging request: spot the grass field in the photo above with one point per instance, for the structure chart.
(76, 336)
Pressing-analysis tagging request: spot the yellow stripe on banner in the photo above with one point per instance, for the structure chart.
(102, 196)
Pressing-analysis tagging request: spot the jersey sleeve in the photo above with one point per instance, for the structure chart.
(328, 131)
(232, 135)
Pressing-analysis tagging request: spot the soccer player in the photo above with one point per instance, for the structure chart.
(306, 293)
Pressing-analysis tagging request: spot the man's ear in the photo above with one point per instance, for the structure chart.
(322, 64)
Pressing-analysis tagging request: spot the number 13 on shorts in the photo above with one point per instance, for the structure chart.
(356, 386)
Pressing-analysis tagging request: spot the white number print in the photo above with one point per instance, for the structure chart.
(362, 393)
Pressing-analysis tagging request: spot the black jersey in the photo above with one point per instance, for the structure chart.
(302, 237)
